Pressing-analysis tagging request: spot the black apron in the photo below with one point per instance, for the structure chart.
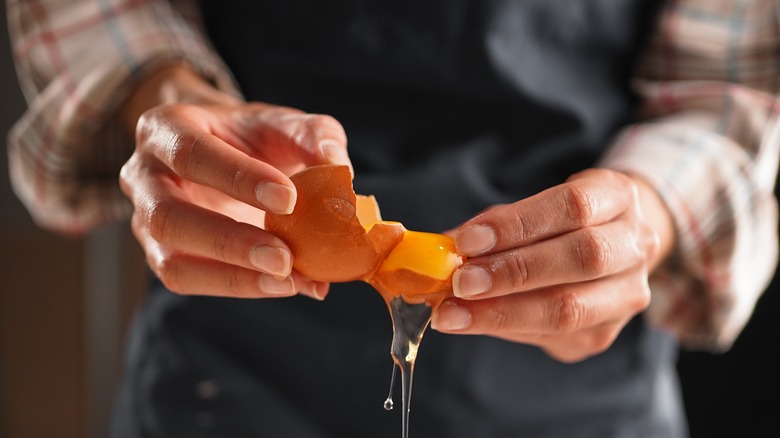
(449, 107)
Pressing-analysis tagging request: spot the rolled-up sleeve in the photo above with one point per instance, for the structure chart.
(77, 60)
(709, 142)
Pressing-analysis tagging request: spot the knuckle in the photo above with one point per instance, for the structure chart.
(145, 125)
(221, 245)
(568, 313)
(519, 274)
(314, 123)
(157, 218)
(649, 239)
(498, 318)
(238, 176)
(318, 122)
(136, 225)
(152, 119)
(641, 297)
(595, 253)
(179, 149)
(310, 129)
(600, 340)
(625, 183)
(233, 282)
(144, 120)
(579, 205)
(168, 271)
(521, 230)
(126, 173)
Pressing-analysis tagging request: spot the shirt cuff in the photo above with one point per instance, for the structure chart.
(66, 151)
(725, 220)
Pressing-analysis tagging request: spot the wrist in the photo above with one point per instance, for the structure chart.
(657, 215)
(170, 84)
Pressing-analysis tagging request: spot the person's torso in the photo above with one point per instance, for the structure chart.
(449, 106)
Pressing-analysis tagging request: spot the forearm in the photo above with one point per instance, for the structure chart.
(68, 146)
(709, 146)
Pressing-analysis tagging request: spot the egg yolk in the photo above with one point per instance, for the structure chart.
(429, 254)
(419, 268)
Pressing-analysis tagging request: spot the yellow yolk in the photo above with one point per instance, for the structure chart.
(428, 254)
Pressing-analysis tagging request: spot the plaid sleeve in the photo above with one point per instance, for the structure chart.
(709, 142)
(76, 61)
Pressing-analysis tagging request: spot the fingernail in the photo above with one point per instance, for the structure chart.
(321, 290)
(309, 288)
(271, 285)
(335, 154)
(451, 316)
(276, 197)
(471, 280)
(475, 240)
(271, 260)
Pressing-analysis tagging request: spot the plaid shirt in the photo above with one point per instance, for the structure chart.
(707, 137)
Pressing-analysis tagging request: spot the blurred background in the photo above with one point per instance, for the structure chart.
(66, 302)
(64, 307)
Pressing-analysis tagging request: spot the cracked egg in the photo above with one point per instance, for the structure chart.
(336, 236)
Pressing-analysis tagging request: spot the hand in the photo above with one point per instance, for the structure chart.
(202, 175)
(564, 270)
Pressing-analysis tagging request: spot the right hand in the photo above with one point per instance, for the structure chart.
(202, 175)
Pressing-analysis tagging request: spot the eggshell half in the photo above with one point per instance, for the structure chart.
(328, 241)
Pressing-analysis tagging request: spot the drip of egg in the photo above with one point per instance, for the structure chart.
(336, 235)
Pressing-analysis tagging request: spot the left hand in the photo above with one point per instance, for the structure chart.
(565, 269)
(205, 169)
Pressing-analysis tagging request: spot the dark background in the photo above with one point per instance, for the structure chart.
(43, 364)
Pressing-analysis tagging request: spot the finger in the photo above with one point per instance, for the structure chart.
(588, 198)
(196, 276)
(187, 228)
(583, 345)
(556, 310)
(190, 275)
(183, 145)
(293, 135)
(453, 232)
(313, 289)
(581, 255)
(575, 347)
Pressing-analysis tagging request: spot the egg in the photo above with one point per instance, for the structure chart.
(336, 235)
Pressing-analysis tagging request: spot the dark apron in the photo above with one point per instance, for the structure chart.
(449, 107)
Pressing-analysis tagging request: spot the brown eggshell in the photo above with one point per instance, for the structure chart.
(326, 237)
